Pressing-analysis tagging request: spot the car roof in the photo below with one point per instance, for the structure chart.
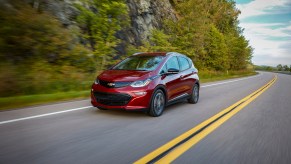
(151, 53)
(159, 54)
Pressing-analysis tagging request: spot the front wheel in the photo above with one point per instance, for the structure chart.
(195, 94)
(157, 104)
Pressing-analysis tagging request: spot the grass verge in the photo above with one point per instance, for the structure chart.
(210, 76)
(29, 100)
(38, 99)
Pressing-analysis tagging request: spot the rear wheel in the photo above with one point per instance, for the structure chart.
(157, 104)
(195, 94)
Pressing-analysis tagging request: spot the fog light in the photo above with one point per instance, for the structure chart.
(140, 93)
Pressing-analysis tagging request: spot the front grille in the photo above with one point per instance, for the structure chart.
(113, 84)
(116, 99)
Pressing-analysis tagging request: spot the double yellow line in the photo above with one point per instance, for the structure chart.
(176, 147)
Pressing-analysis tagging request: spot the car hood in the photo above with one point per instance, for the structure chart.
(123, 75)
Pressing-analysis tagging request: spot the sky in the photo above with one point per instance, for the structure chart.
(267, 26)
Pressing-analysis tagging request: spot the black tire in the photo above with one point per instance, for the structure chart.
(195, 94)
(157, 105)
(101, 108)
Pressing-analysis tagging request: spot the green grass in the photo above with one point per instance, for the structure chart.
(38, 99)
(30, 100)
(210, 76)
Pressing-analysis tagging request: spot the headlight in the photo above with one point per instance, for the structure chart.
(141, 83)
(96, 81)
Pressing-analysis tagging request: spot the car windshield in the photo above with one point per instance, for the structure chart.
(139, 63)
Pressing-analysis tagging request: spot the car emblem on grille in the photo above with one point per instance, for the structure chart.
(110, 84)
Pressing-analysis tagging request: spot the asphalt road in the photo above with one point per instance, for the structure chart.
(259, 133)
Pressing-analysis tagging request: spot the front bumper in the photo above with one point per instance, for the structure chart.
(120, 98)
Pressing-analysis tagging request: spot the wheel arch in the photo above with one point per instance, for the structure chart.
(198, 83)
(163, 89)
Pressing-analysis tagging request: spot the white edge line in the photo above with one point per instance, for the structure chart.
(43, 115)
(75, 109)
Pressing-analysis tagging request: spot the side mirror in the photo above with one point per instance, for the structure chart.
(172, 71)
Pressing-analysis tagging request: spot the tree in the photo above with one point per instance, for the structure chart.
(217, 51)
(208, 32)
(26, 33)
(265, 68)
(99, 21)
(158, 41)
(189, 32)
(240, 52)
(285, 68)
(279, 67)
(37, 53)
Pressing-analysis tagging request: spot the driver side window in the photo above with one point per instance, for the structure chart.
(164, 69)
(171, 63)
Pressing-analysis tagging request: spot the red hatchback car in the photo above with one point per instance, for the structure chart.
(147, 81)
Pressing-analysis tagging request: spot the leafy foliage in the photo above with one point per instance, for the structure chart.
(100, 21)
(285, 68)
(208, 32)
(39, 55)
(280, 67)
(265, 68)
(158, 42)
(216, 49)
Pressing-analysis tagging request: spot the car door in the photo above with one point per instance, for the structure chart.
(186, 81)
(172, 81)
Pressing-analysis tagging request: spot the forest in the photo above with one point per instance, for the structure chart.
(39, 55)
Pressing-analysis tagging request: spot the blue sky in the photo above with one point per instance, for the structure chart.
(267, 26)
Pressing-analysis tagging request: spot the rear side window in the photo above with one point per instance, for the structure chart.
(173, 63)
(184, 63)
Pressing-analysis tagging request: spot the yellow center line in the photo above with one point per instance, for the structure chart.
(176, 147)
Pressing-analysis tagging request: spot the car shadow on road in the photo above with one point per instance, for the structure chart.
(135, 114)
(121, 113)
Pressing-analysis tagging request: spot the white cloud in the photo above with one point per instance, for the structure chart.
(260, 7)
(265, 30)
(271, 41)
(267, 49)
